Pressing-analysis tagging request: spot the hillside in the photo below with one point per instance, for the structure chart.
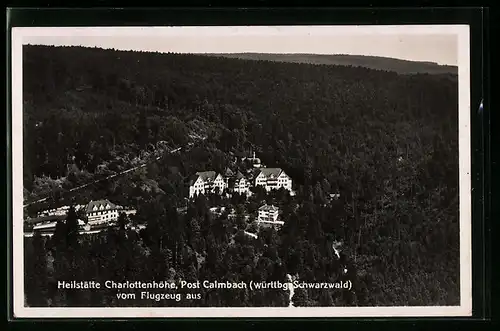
(386, 142)
(372, 62)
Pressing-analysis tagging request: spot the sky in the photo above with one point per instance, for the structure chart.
(415, 43)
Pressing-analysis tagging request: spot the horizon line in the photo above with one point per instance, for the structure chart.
(236, 53)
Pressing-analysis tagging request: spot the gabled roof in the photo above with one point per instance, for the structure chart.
(239, 175)
(268, 208)
(229, 172)
(207, 175)
(100, 203)
(193, 179)
(268, 172)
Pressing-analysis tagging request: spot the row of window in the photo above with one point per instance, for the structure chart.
(266, 214)
(207, 185)
(198, 187)
(284, 181)
(278, 185)
(101, 213)
(268, 218)
(241, 187)
(106, 217)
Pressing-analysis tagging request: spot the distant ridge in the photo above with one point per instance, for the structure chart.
(372, 62)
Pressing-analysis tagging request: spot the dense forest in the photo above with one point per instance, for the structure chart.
(373, 62)
(388, 143)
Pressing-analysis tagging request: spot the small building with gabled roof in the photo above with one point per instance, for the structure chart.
(268, 214)
(104, 212)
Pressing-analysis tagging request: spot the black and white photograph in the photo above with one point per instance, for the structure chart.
(241, 171)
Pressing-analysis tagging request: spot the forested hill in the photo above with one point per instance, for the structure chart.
(388, 143)
(373, 62)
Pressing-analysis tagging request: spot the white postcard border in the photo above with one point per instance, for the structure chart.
(465, 308)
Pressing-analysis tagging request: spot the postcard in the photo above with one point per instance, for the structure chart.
(241, 171)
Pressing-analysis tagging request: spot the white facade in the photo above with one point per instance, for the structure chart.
(198, 187)
(207, 182)
(241, 186)
(211, 182)
(284, 181)
(273, 179)
(102, 214)
(268, 214)
(261, 180)
(219, 184)
(103, 211)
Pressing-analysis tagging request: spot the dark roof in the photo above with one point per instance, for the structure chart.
(206, 176)
(229, 172)
(268, 172)
(253, 174)
(46, 219)
(99, 203)
(193, 179)
(268, 208)
(236, 178)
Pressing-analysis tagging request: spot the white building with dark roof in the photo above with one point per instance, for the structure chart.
(272, 179)
(268, 214)
(206, 182)
(102, 211)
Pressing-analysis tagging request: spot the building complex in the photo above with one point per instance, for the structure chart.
(92, 217)
(207, 182)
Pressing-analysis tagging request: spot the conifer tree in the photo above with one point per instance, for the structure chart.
(36, 280)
